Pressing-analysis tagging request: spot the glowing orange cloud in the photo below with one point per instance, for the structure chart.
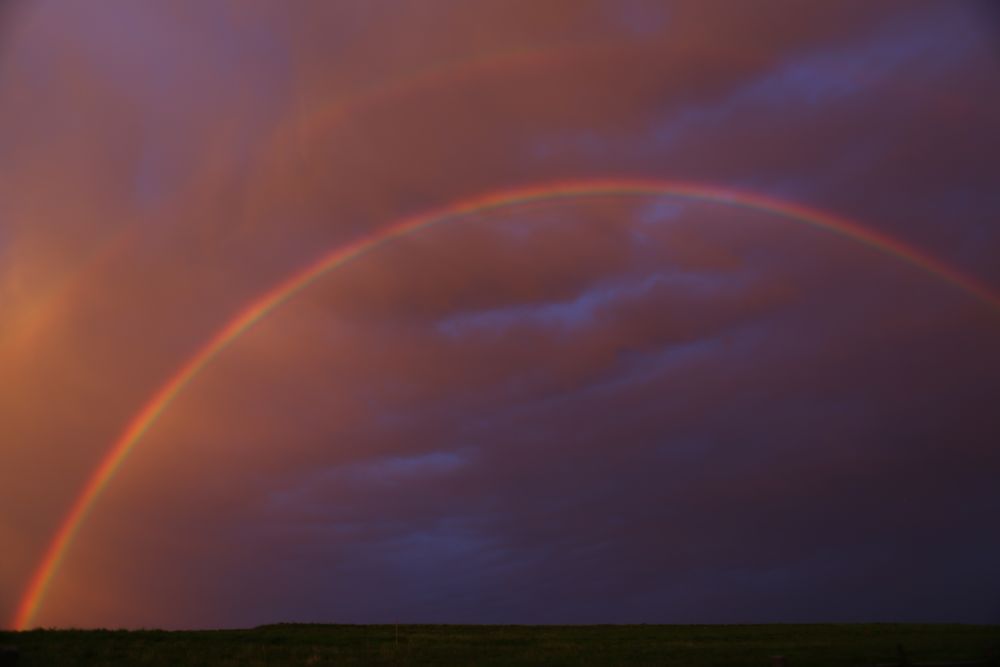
(47, 306)
(465, 209)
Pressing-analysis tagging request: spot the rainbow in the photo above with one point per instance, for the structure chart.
(459, 210)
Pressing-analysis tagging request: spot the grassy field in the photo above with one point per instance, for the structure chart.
(691, 646)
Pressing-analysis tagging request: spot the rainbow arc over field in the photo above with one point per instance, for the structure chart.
(464, 209)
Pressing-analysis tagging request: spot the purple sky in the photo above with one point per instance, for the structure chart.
(628, 410)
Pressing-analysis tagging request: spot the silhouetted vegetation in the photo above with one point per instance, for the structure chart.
(691, 646)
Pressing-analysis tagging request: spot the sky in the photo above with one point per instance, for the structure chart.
(631, 407)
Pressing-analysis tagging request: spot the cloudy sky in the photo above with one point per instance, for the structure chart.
(595, 409)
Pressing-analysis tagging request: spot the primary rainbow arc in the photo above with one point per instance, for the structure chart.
(462, 209)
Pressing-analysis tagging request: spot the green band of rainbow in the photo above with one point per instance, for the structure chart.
(285, 290)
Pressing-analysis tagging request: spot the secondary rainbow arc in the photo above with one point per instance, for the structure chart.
(462, 209)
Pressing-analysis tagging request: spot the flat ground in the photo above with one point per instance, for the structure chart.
(687, 645)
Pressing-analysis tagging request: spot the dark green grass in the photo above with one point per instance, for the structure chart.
(690, 645)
